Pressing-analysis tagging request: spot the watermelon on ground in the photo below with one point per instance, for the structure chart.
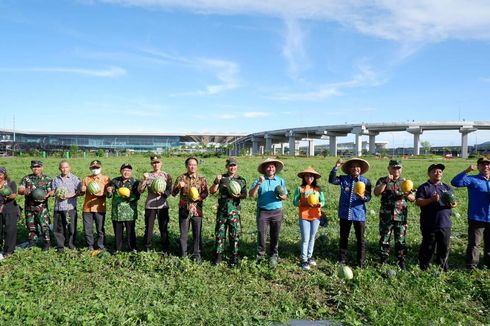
(345, 272)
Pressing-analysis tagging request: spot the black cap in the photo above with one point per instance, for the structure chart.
(395, 163)
(126, 166)
(231, 161)
(155, 158)
(95, 164)
(483, 159)
(36, 163)
(436, 166)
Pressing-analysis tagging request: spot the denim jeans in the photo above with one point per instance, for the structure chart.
(308, 233)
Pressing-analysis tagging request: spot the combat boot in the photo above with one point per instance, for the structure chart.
(218, 259)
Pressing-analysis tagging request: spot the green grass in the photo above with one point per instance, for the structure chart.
(145, 288)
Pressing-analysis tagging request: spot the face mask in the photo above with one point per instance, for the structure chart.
(95, 171)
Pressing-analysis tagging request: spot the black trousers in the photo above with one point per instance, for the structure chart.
(65, 226)
(88, 220)
(162, 216)
(476, 231)
(359, 227)
(130, 234)
(435, 240)
(8, 232)
(273, 220)
(196, 224)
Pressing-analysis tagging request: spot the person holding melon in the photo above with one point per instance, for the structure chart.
(9, 213)
(231, 189)
(95, 187)
(271, 191)
(159, 185)
(193, 190)
(36, 187)
(310, 199)
(396, 192)
(355, 192)
(125, 196)
(478, 187)
(435, 218)
(66, 187)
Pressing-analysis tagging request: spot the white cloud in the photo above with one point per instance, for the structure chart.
(293, 49)
(403, 20)
(485, 79)
(112, 72)
(366, 77)
(225, 71)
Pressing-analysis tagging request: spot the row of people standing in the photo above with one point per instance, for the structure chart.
(435, 213)
(436, 201)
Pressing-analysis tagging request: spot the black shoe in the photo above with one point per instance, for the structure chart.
(402, 265)
(219, 259)
(60, 250)
(234, 262)
(46, 246)
(197, 259)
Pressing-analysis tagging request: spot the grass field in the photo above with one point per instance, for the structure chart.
(44, 288)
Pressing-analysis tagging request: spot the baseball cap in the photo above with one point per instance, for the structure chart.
(483, 159)
(395, 163)
(231, 161)
(126, 166)
(436, 166)
(36, 163)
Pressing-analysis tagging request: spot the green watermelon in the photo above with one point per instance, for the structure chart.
(158, 185)
(5, 191)
(234, 188)
(448, 198)
(279, 190)
(61, 192)
(94, 187)
(38, 194)
(344, 272)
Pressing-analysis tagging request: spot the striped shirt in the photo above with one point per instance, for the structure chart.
(73, 185)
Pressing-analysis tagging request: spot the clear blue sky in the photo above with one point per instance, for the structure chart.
(243, 66)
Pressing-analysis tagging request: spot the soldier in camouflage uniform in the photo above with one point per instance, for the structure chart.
(37, 213)
(124, 209)
(393, 212)
(228, 215)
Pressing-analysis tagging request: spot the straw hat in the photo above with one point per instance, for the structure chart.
(279, 165)
(363, 163)
(309, 170)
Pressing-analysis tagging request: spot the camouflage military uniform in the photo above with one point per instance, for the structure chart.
(228, 215)
(392, 219)
(37, 213)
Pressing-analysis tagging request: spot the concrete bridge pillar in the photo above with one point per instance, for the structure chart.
(268, 143)
(416, 131)
(333, 145)
(464, 140)
(372, 142)
(255, 146)
(292, 143)
(311, 147)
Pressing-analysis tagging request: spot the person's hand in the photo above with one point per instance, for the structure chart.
(339, 162)
(27, 191)
(409, 196)
(389, 178)
(435, 197)
(146, 176)
(218, 179)
(470, 168)
(181, 184)
(453, 205)
(261, 179)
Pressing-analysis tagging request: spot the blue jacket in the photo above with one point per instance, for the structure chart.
(351, 207)
(478, 195)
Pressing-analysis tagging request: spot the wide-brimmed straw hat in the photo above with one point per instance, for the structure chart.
(279, 165)
(309, 170)
(363, 163)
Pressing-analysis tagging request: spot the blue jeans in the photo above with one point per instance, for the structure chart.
(308, 233)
